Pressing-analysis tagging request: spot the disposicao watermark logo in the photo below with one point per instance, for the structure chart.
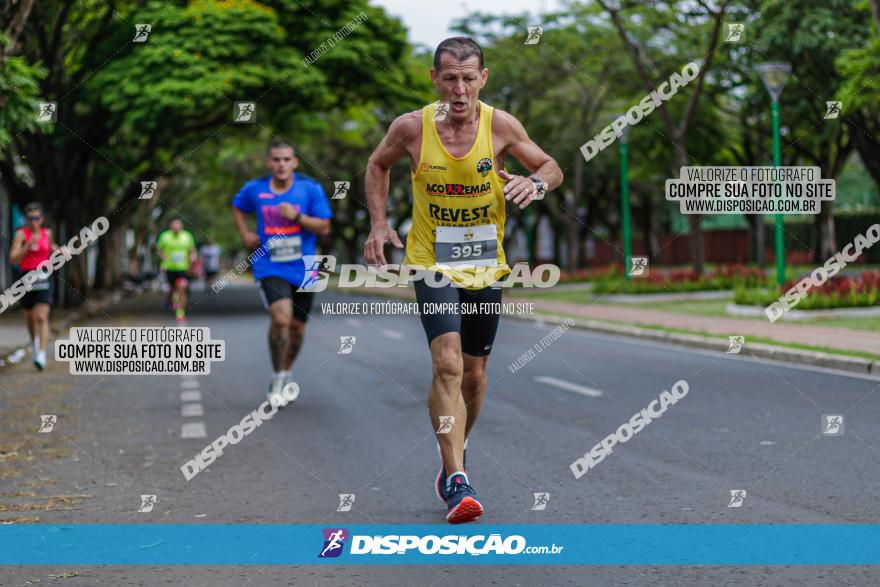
(634, 115)
(820, 275)
(238, 432)
(47, 423)
(318, 269)
(78, 244)
(147, 504)
(334, 541)
(629, 429)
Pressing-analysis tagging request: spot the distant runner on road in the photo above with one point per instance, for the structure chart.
(31, 246)
(210, 255)
(176, 248)
(292, 210)
(457, 148)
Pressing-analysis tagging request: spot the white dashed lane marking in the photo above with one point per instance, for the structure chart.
(191, 395)
(193, 430)
(191, 407)
(191, 410)
(568, 386)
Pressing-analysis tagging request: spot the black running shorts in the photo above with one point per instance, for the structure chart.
(40, 292)
(473, 313)
(37, 296)
(273, 289)
(174, 276)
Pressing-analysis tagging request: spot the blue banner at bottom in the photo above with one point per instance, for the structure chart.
(612, 544)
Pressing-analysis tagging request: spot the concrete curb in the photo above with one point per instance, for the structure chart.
(87, 310)
(779, 353)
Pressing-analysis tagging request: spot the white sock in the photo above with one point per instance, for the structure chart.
(465, 442)
(449, 479)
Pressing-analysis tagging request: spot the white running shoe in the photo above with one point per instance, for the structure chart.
(276, 388)
(292, 386)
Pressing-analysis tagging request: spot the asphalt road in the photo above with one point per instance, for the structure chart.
(361, 426)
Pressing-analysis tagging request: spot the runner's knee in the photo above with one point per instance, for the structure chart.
(297, 327)
(281, 320)
(474, 378)
(448, 364)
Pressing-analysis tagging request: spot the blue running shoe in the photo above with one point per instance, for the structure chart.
(462, 501)
(440, 482)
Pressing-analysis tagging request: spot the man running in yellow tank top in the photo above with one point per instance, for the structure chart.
(461, 191)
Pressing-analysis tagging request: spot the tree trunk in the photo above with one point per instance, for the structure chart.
(694, 220)
(824, 236)
(110, 250)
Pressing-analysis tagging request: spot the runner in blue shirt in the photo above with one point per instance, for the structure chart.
(292, 211)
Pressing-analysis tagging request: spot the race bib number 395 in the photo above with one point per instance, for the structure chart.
(284, 250)
(467, 245)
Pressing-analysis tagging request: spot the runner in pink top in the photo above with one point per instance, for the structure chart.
(31, 245)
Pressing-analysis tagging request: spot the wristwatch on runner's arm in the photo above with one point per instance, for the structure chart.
(540, 187)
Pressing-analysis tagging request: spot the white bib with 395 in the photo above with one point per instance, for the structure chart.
(457, 246)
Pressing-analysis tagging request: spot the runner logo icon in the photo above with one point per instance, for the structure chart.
(244, 112)
(47, 423)
(47, 112)
(148, 188)
(833, 109)
(832, 424)
(639, 267)
(141, 33)
(334, 540)
(317, 272)
(346, 345)
(340, 189)
(735, 31)
(346, 500)
(541, 500)
(534, 35)
(737, 496)
(147, 503)
(736, 344)
(446, 424)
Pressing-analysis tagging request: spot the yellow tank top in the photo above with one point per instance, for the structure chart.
(458, 208)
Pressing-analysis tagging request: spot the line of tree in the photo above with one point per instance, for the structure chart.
(162, 109)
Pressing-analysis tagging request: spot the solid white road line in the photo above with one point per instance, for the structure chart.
(193, 430)
(189, 384)
(568, 386)
(189, 410)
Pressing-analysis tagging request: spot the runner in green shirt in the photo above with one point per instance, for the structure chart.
(177, 250)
